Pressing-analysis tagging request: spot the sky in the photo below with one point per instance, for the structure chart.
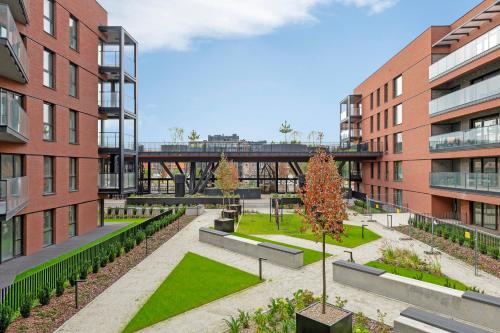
(246, 66)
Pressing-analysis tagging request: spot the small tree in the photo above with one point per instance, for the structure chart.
(177, 134)
(226, 177)
(324, 208)
(285, 129)
(193, 136)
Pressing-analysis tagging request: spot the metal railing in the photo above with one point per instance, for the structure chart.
(110, 181)
(111, 99)
(354, 112)
(111, 58)
(353, 133)
(474, 49)
(129, 180)
(12, 115)
(474, 94)
(13, 194)
(489, 135)
(252, 147)
(487, 182)
(112, 140)
(8, 31)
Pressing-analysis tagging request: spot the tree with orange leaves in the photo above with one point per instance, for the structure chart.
(226, 177)
(324, 208)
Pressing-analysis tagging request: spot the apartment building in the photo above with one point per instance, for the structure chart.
(67, 120)
(434, 110)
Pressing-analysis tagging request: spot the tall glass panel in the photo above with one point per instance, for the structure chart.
(7, 236)
(477, 213)
(18, 235)
(490, 216)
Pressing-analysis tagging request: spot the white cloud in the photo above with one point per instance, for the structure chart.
(174, 24)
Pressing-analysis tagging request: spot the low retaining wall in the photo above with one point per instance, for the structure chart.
(469, 306)
(195, 210)
(277, 254)
(244, 193)
(185, 201)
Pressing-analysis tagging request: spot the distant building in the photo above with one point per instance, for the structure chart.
(224, 138)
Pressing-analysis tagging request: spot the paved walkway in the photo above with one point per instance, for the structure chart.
(112, 310)
(10, 269)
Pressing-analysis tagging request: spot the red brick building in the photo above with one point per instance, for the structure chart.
(434, 110)
(67, 130)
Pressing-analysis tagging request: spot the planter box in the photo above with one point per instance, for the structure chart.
(195, 210)
(244, 193)
(287, 201)
(307, 324)
(185, 201)
(224, 224)
(237, 208)
(230, 214)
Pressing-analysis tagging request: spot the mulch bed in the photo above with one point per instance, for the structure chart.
(464, 253)
(48, 318)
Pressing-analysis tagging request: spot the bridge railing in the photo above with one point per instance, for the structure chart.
(250, 147)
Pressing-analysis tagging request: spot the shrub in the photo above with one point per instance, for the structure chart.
(493, 252)
(118, 250)
(111, 253)
(439, 231)
(360, 203)
(150, 230)
(72, 277)
(129, 244)
(140, 236)
(244, 318)
(5, 317)
(44, 295)
(446, 233)
(60, 286)
(361, 323)
(427, 227)
(26, 305)
(84, 270)
(96, 264)
(461, 239)
(483, 248)
(103, 258)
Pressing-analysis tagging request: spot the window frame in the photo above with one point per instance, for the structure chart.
(73, 80)
(48, 214)
(398, 145)
(73, 174)
(398, 171)
(73, 127)
(48, 177)
(72, 221)
(51, 18)
(48, 122)
(48, 73)
(73, 33)
(396, 111)
(386, 92)
(397, 89)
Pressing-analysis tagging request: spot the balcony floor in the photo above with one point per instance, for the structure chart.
(10, 67)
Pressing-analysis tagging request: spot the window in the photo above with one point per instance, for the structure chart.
(386, 92)
(371, 124)
(398, 114)
(11, 238)
(73, 33)
(372, 191)
(386, 143)
(398, 143)
(378, 170)
(48, 175)
(378, 121)
(72, 221)
(73, 80)
(387, 170)
(371, 101)
(398, 171)
(378, 144)
(398, 86)
(398, 197)
(48, 16)
(485, 215)
(48, 227)
(378, 97)
(372, 166)
(386, 118)
(48, 68)
(73, 174)
(73, 127)
(379, 190)
(48, 122)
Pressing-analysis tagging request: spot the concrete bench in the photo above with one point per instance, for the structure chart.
(471, 307)
(413, 320)
(278, 254)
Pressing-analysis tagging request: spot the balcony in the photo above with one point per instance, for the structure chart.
(110, 181)
(111, 140)
(109, 100)
(353, 134)
(483, 137)
(13, 196)
(464, 181)
(477, 48)
(477, 93)
(13, 55)
(13, 119)
(19, 9)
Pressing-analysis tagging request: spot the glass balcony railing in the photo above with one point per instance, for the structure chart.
(354, 133)
(486, 182)
(17, 52)
(354, 112)
(111, 59)
(112, 140)
(129, 180)
(482, 136)
(110, 181)
(476, 48)
(13, 195)
(111, 99)
(12, 118)
(474, 94)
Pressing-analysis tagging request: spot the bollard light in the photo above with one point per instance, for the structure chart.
(76, 291)
(363, 230)
(260, 267)
(350, 254)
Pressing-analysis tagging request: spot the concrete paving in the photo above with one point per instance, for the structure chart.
(10, 269)
(111, 311)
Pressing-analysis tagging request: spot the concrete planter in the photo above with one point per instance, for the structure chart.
(235, 207)
(195, 210)
(246, 193)
(172, 201)
(224, 224)
(230, 214)
(306, 324)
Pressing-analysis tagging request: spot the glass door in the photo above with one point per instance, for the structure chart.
(7, 237)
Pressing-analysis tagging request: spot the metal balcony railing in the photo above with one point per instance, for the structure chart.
(474, 49)
(485, 182)
(111, 59)
(482, 136)
(111, 99)
(13, 195)
(112, 140)
(14, 43)
(110, 181)
(12, 118)
(477, 93)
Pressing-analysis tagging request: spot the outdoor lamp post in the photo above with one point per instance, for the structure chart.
(363, 230)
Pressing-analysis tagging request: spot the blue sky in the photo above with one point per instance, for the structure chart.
(246, 75)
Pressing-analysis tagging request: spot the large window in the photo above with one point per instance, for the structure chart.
(48, 175)
(73, 127)
(386, 118)
(485, 215)
(378, 121)
(48, 68)
(398, 171)
(398, 143)
(386, 92)
(73, 33)
(73, 174)
(387, 170)
(48, 122)
(371, 124)
(398, 114)
(398, 86)
(11, 238)
(73, 80)
(398, 197)
(48, 227)
(72, 221)
(372, 166)
(371, 101)
(378, 97)
(48, 16)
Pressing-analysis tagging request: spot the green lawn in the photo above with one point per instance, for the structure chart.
(310, 256)
(195, 281)
(411, 273)
(131, 219)
(258, 224)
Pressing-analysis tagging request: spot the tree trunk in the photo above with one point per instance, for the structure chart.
(323, 310)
